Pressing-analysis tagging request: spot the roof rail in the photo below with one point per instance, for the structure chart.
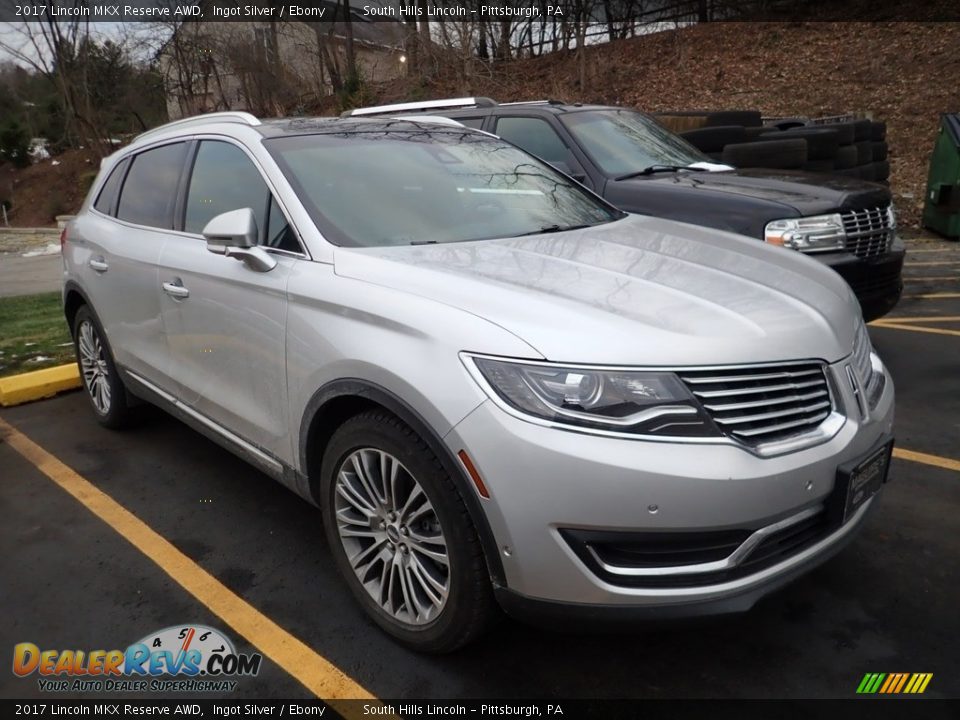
(423, 118)
(464, 102)
(536, 102)
(231, 116)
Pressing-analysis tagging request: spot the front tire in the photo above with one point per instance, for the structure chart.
(104, 388)
(401, 535)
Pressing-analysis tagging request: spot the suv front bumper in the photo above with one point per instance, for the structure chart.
(544, 482)
(877, 282)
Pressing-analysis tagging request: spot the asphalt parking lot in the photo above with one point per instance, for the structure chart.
(888, 603)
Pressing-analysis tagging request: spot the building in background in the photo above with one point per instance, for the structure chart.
(276, 68)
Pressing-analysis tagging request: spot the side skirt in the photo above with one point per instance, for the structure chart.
(260, 459)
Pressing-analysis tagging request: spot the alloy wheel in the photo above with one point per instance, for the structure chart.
(392, 536)
(93, 363)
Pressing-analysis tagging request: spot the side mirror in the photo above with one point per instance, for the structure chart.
(237, 228)
(235, 234)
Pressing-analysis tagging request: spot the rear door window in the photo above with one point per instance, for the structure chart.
(223, 179)
(107, 199)
(535, 136)
(471, 122)
(150, 191)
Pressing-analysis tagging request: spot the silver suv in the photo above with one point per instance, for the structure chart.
(498, 389)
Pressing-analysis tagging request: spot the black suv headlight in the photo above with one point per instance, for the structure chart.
(820, 233)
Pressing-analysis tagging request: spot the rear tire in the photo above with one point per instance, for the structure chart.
(714, 139)
(845, 131)
(101, 381)
(401, 535)
(846, 157)
(818, 166)
(776, 154)
(864, 152)
(862, 130)
(821, 144)
(881, 170)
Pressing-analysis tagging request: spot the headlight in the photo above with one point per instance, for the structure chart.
(820, 233)
(637, 403)
(867, 365)
(862, 349)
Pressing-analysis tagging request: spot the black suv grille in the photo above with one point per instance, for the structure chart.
(868, 231)
(762, 403)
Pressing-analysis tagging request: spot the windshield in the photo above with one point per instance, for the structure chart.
(375, 188)
(623, 141)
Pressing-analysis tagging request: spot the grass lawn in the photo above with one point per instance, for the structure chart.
(33, 333)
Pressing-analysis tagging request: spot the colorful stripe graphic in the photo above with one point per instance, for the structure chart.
(894, 683)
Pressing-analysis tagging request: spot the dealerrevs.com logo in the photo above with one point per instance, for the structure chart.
(183, 658)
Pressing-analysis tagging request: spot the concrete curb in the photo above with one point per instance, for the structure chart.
(39, 384)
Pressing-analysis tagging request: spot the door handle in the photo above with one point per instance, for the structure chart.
(98, 264)
(176, 289)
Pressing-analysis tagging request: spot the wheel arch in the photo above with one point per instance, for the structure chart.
(73, 299)
(340, 400)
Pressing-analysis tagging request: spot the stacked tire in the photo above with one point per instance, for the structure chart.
(856, 149)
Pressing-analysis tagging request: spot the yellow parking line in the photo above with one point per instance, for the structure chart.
(911, 251)
(932, 296)
(927, 459)
(914, 328)
(931, 263)
(919, 319)
(317, 674)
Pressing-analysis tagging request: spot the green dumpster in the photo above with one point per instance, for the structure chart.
(941, 212)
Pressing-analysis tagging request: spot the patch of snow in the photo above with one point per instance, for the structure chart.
(50, 249)
(39, 358)
(29, 344)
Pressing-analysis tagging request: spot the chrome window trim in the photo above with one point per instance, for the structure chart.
(305, 252)
(824, 432)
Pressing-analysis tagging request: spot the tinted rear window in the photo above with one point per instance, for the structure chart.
(107, 200)
(149, 192)
(471, 122)
(535, 136)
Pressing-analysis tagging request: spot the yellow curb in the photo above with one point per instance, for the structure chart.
(38, 384)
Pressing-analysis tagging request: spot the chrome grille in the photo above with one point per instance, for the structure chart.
(764, 403)
(868, 231)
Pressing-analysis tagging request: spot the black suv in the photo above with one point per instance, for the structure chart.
(635, 163)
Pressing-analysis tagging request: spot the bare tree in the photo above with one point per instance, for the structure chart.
(55, 48)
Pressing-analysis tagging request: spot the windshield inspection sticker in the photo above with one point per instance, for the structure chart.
(181, 658)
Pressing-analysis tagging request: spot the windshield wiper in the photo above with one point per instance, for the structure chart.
(657, 169)
(553, 229)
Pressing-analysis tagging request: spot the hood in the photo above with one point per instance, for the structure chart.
(803, 193)
(638, 291)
